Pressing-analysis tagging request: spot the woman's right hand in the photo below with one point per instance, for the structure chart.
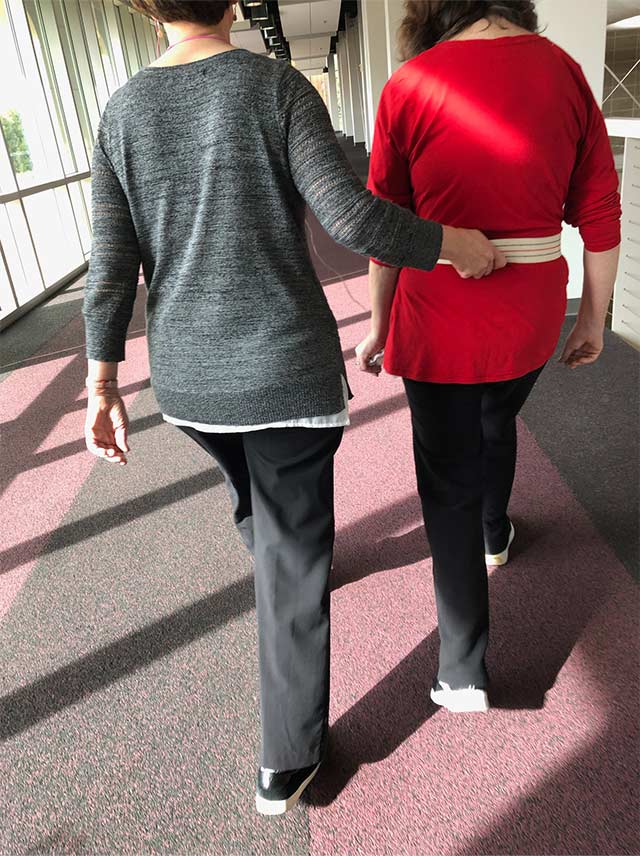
(470, 252)
(106, 427)
(584, 344)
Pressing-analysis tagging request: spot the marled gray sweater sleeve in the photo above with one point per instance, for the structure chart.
(115, 261)
(349, 212)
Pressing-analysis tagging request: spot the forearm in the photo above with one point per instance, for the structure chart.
(365, 223)
(382, 286)
(599, 278)
(112, 279)
(350, 213)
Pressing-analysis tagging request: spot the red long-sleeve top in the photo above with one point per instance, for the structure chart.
(505, 136)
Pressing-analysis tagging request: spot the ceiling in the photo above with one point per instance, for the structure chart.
(618, 10)
(251, 40)
(308, 26)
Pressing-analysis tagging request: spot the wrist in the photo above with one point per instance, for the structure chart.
(104, 387)
(590, 321)
(450, 247)
(379, 333)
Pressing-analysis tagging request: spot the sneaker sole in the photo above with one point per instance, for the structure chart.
(501, 558)
(273, 807)
(475, 701)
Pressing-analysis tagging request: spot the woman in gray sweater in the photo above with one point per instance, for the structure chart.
(202, 167)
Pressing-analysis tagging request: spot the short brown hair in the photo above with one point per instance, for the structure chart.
(428, 22)
(209, 12)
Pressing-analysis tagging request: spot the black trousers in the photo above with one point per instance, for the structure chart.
(281, 486)
(464, 444)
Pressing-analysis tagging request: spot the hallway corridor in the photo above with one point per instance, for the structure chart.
(127, 635)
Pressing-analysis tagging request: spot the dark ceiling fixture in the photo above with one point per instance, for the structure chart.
(259, 12)
(282, 51)
(348, 8)
(265, 14)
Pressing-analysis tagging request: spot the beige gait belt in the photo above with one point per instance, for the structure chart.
(526, 251)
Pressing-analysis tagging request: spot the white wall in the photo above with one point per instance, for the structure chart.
(375, 70)
(394, 13)
(333, 92)
(578, 26)
(353, 57)
(345, 86)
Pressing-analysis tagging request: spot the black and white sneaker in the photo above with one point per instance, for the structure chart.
(278, 791)
(501, 558)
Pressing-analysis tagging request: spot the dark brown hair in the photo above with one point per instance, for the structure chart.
(428, 22)
(209, 12)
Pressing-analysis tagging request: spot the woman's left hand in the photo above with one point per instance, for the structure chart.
(366, 350)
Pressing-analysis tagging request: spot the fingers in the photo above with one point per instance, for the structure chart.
(105, 451)
(121, 438)
(499, 259)
(488, 270)
(369, 357)
(364, 364)
(575, 357)
(565, 355)
(498, 262)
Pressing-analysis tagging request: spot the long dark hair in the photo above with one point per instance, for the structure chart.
(428, 22)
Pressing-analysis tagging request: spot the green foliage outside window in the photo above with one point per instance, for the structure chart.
(16, 141)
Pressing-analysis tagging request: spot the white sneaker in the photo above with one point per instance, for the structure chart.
(501, 558)
(466, 700)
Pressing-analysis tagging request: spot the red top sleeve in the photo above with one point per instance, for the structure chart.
(593, 202)
(388, 168)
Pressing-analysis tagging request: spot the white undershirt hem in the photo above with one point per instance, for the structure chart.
(334, 420)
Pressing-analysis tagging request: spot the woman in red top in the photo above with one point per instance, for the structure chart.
(488, 126)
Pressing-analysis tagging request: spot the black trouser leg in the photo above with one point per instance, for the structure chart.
(501, 403)
(228, 452)
(447, 443)
(292, 500)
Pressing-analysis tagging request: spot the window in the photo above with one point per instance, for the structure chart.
(55, 234)
(7, 297)
(61, 61)
(19, 253)
(24, 112)
(58, 89)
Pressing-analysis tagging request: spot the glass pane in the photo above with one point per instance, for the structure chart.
(57, 90)
(104, 42)
(7, 178)
(115, 39)
(82, 218)
(115, 33)
(7, 301)
(130, 44)
(86, 192)
(97, 67)
(54, 233)
(24, 114)
(18, 251)
(140, 26)
(150, 36)
(67, 18)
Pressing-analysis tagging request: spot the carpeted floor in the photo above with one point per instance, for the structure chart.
(127, 639)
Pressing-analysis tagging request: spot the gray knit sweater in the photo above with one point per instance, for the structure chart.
(201, 172)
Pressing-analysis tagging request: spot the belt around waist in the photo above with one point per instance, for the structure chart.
(526, 251)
